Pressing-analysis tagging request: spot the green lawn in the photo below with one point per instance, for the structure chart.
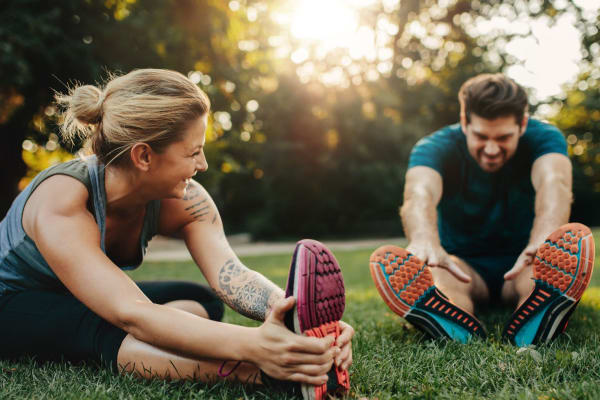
(391, 358)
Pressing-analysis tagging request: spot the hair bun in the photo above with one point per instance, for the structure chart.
(86, 104)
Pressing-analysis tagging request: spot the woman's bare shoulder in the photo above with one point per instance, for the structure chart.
(57, 195)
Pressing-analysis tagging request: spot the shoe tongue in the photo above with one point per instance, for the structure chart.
(332, 382)
(289, 288)
(288, 319)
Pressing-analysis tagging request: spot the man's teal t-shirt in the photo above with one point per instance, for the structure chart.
(481, 213)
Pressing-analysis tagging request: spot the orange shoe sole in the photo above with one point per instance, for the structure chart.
(562, 270)
(406, 285)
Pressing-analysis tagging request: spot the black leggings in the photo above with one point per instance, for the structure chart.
(55, 326)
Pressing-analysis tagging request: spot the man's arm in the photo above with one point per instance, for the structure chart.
(422, 193)
(551, 176)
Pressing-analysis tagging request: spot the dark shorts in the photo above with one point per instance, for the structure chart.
(492, 270)
(53, 326)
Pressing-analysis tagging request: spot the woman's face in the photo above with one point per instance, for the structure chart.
(174, 168)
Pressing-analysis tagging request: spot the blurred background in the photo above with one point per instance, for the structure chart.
(316, 104)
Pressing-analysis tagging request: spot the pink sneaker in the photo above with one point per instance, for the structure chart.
(315, 280)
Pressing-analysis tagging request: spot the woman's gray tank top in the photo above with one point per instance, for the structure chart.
(22, 267)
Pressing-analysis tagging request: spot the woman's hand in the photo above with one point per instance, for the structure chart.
(344, 342)
(284, 355)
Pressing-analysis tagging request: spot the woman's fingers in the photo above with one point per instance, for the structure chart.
(314, 374)
(344, 355)
(312, 370)
(347, 361)
(311, 380)
(346, 334)
(294, 359)
(280, 308)
(344, 342)
(312, 345)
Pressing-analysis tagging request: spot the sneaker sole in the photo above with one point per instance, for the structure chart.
(406, 285)
(318, 287)
(562, 270)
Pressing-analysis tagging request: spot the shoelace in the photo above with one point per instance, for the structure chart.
(225, 375)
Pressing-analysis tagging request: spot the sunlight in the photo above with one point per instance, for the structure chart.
(320, 28)
(329, 25)
(344, 42)
(548, 58)
(330, 22)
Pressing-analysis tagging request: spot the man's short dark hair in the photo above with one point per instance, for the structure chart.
(492, 96)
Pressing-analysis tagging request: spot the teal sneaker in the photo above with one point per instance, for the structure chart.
(406, 285)
(562, 270)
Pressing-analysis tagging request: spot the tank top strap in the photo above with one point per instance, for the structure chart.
(151, 223)
(98, 194)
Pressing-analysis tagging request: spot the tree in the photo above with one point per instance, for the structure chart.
(302, 140)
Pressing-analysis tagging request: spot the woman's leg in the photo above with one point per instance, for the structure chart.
(192, 297)
(53, 326)
(149, 361)
(56, 326)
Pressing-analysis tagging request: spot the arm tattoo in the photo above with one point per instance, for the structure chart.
(191, 192)
(244, 290)
(199, 209)
(195, 205)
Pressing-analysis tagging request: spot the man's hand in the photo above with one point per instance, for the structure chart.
(436, 256)
(525, 260)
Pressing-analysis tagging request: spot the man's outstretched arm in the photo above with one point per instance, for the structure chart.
(551, 176)
(422, 193)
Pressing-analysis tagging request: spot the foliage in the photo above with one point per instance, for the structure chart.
(579, 118)
(315, 144)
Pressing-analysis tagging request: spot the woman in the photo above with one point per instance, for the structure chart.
(68, 236)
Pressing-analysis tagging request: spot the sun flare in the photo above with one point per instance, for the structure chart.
(330, 22)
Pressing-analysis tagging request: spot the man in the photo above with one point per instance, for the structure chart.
(480, 200)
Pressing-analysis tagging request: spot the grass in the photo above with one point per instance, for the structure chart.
(391, 358)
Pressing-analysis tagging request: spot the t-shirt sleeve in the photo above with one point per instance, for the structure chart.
(431, 151)
(545, 138)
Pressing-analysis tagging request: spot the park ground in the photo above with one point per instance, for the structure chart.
(391, 359)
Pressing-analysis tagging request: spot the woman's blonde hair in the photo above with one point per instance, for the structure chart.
(152, 106)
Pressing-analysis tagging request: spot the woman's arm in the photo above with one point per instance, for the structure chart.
(68, 238)
(197, 220)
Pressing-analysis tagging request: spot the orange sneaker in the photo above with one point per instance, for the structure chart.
(406, 285)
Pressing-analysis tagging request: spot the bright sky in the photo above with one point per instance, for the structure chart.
(546, 60)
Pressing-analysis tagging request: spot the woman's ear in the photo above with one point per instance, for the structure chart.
(141, 155)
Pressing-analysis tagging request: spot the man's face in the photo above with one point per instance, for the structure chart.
(492, 142)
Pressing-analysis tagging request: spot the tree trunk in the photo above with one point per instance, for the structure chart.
(12, 167)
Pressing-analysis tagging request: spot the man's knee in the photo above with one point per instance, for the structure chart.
(475, 290)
